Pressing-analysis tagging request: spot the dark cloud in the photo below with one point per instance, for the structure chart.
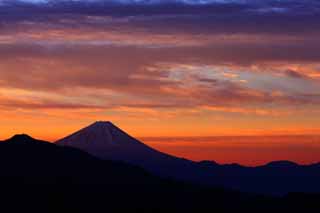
(133, 49)
(295, 74)
(265, 17)
(132, 73)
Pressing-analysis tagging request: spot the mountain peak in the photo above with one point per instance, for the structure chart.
(21, 138)
(99, 135)
(102, 123)
(281, 164)
(105, 140)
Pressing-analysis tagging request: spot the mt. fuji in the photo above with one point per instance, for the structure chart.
(106, 141)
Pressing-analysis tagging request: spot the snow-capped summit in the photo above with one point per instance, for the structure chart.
(105, 140)
(101, 134)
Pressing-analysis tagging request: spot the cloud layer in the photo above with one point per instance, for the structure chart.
(163, 58)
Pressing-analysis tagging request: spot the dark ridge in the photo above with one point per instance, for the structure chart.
(208, 163)
(280, 164)
(44, 177)
(38, 176)
(106, 141)
(21, 138)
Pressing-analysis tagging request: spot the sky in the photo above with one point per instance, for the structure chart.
(190, 68)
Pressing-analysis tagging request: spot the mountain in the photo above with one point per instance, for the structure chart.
(38, 176)
(106, 141)
(24, 156)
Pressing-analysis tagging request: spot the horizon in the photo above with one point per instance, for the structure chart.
(231, 149)
(185, 71)
(37, 131)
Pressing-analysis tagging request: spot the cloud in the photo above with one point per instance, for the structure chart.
(194, 17)
(154, 77)
(295, 74)
(157, 54)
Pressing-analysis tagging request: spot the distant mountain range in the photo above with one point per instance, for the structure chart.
(37, 176)
(43, 177)
(106, 141)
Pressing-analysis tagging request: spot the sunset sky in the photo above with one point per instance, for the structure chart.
(169, 68)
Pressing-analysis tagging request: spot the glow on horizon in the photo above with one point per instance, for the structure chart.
(160, 71)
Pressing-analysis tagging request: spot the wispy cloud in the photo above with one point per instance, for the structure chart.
(254, 58)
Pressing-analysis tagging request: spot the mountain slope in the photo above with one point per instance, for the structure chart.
(40, 176)
(106, 141)
(37, 176)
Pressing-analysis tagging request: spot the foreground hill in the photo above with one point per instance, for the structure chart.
(39, 176)
(106, 141)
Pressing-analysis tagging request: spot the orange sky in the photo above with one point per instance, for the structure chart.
(189, 70)
(250, 151)
(245, 150)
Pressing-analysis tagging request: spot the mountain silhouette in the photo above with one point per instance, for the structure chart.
(37, 176)
(106, 141)
(43, 177)
(21, 138)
